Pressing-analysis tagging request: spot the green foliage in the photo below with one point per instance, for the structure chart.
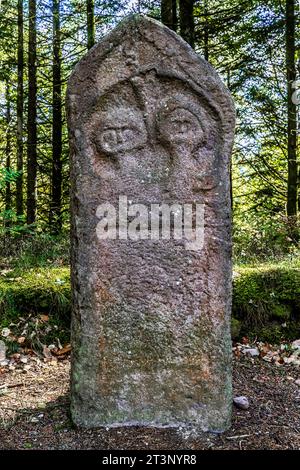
(26, 294)
(34, 281)
(15, 224)
(9, 221)
(235, 328)
(7, 175)
(43, 290)
(266, 299)
(260, 238)
(25, 251)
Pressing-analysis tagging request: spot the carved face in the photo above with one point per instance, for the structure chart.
(120, 130)
(179, 127)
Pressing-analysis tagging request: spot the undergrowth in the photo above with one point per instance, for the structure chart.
(35, 284)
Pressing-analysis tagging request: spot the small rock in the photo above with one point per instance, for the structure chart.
(296, 353)
(241, 402)
(5, 332)
(24, 360)
(34, 420)
(296, 344)
(290, 378)
(288, 360)
(253, 352)
(297, 382)
(4, 363)
(2, 351)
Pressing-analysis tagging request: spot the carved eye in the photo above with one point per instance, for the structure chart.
(109, 137)
(182, 126)
(128, 133)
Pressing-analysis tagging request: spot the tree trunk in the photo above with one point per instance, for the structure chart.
(55, 207)
(8, 152)
(169, 13)
(230, 168)
(297, 101)
(20, 99)
(31, 123)
(90, 14)
(291, 110)
(187, 27)
(206, 36)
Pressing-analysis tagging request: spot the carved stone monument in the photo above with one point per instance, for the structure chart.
(151, 129)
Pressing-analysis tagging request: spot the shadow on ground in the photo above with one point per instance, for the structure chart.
(271, 422)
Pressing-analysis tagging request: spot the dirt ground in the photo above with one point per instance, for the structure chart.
(34, 413)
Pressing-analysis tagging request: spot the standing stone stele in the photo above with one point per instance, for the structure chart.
(149, 123)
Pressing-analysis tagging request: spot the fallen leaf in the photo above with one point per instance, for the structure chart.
(64, 350)
(44, 318)
(28, 351)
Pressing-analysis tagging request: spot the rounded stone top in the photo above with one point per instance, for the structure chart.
(136, 46)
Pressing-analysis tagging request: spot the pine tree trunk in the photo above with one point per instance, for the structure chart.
(174, 15)
(32, 112)
(230, 169)
(55, 209)
(8, 152)
(20, 99)
(169, 13)
(206, 35)
(187, 27)
(90, 13)
(291, 110)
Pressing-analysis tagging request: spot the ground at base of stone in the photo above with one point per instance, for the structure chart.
(34, 414)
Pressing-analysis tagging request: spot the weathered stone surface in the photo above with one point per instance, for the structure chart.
(151, 121)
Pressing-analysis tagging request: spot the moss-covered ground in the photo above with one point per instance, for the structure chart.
(266, 300)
